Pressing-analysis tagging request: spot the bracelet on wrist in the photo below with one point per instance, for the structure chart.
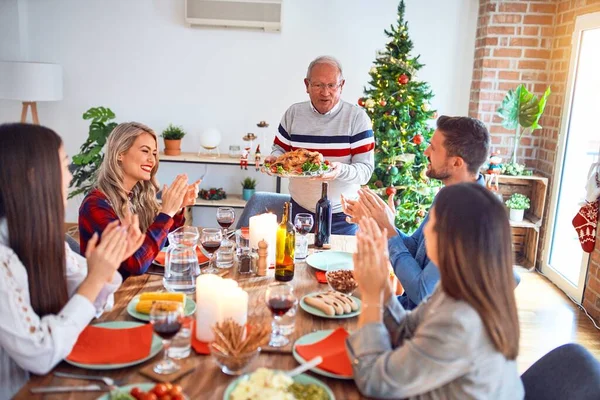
(373, 305)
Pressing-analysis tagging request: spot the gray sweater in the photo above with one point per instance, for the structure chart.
(440, 350)
(342, 135)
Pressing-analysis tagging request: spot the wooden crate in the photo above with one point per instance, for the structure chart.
(526, 233)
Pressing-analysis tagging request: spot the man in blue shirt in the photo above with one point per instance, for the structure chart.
(456, 152)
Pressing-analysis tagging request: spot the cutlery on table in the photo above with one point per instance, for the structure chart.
(105, 379)
(59, 389)
(305, 367)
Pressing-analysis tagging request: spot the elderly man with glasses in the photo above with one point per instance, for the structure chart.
(339, 130)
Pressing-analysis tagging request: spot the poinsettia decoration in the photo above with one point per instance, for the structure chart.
(212, 194)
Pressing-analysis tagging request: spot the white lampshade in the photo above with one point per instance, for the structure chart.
(210, 139)
(30, 81)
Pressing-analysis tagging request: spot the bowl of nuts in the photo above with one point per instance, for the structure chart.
(342, 280)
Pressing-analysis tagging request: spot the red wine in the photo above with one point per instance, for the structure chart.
(303, 229)
(167, 330)
(323, 218)
(211, 246)
(225, 222)
(280, 306)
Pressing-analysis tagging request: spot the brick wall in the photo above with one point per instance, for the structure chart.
(529, 42)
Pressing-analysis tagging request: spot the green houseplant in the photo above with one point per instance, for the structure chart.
(521, 110)
(517, 204)
(86, 162)
(172, 136)
(248, 186)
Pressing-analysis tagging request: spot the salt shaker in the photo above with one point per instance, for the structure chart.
(262, 258)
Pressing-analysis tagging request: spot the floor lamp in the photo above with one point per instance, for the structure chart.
(30, 82)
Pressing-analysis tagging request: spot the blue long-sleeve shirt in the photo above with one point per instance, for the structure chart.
(415, 271)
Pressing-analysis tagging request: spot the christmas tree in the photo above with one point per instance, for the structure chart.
(398, 105)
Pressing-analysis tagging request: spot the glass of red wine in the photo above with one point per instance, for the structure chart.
(225, 256)
(280, 299)
(303, 222)
(211, 241)
(166, 318)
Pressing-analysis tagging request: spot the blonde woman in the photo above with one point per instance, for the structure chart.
(462, 342)
(127, 185)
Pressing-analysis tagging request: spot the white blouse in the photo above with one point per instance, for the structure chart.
(29, 343)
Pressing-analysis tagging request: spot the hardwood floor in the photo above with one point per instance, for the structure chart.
(548, 319)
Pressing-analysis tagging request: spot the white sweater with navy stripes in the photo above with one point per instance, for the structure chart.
(342, 135)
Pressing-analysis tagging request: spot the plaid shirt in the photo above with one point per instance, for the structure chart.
(96, 213)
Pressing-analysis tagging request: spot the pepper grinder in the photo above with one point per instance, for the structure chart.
(262, 258)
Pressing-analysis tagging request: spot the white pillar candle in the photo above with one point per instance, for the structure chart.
(264, 226)
(207, 305)
(234, 305)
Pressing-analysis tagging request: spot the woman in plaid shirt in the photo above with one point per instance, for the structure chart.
(127, 185)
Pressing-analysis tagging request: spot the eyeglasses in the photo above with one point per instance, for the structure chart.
(330, 87)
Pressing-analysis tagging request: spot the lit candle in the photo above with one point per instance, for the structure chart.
(218, 299)
(264, 227)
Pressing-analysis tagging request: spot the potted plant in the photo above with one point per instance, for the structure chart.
(517, 204)
(521, 110)
(172, 136)
(249, 185)
(87, 161)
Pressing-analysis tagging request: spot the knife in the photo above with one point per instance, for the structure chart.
(59, 389)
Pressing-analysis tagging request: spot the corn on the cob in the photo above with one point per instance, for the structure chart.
(163, 296)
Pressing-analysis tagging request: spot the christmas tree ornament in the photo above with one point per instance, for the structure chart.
(378, 184)
(361, 102)
(435, 115)
(382, 102)
(370, 103)
(403, 79)
(417, 139)
(425, 107)
(390, 190)
(394, 171)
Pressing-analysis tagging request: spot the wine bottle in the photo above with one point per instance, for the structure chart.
(323, 218)
(285, 246)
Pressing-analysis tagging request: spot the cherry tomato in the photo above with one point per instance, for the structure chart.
(151, 396)
(177, 389)
(299, 170)
(160, 389)
(327, 162)
(136, 392)
(177, 397)
(169, 385)
(165, 397)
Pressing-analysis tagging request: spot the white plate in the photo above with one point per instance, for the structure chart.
(315, 311)
(330, 260)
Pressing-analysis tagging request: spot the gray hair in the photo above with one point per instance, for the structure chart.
(325, 60)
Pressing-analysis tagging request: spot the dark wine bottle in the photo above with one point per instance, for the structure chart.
(323, 218)
(285, 246)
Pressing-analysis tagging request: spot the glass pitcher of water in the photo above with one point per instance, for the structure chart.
(181, 261)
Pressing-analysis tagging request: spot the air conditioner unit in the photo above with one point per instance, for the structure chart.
(249, 14)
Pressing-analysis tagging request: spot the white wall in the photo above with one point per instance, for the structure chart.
(138, 58)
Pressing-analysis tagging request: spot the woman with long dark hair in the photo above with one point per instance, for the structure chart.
(460, 343)
(49, 294)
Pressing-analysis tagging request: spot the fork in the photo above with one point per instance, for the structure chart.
(111, 383)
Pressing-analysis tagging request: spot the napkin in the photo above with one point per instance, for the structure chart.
(160, 258)
(320, 275)
(97, 345)
(333, 351)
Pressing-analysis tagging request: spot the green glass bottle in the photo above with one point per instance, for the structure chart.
(285, 246)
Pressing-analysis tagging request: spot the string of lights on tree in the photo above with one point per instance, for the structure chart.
(399, 107)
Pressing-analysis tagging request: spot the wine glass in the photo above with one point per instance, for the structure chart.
(225, 218)
(280, 299)
(166, 318)
(303, 222)
(211, 241)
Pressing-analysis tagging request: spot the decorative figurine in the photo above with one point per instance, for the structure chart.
(263, 124)
(257, 158)
(263, 251)
(495, 165)
(244, 158)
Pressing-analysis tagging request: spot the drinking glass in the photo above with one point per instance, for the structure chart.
(211, 241)
(280, 299)
(166, 318)
(303, 223)
(225, 256)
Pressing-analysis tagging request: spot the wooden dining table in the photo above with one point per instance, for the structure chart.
(206, 381)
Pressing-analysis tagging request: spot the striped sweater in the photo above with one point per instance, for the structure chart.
(342, 135)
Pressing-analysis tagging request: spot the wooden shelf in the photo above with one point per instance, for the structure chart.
(232, 200)
(194, 158)
(529, 221)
